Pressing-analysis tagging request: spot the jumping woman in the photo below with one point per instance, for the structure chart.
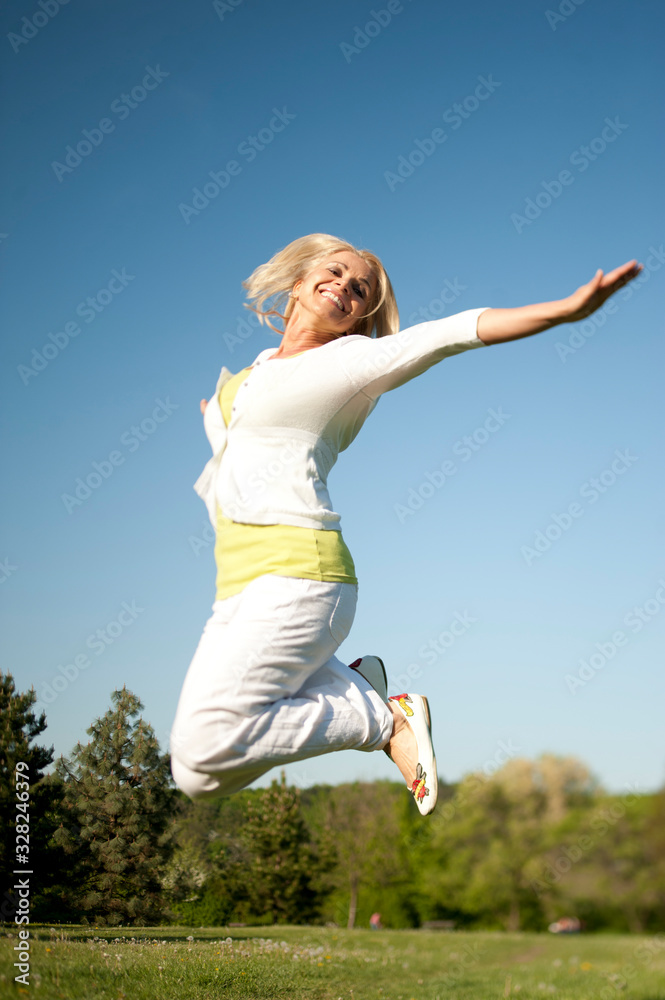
(264, 687)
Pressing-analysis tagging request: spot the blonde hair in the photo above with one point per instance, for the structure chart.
(275, 279)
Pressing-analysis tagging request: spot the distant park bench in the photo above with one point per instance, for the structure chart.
(438, 925)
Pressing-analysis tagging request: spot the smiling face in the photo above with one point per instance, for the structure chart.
(333, 296)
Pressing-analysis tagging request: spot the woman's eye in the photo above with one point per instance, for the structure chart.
(357, 288)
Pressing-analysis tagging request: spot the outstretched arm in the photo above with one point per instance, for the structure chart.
(495, 326)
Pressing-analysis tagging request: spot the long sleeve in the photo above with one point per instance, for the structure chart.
(380, 365)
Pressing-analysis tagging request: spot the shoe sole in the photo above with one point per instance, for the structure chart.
(374, 673)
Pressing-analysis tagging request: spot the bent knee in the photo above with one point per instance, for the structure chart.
(195, 784)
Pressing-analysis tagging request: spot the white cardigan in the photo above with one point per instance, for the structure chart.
(292, 416)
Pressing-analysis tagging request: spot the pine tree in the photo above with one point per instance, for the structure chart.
(18, 729)
(282, 883)
(118, 793)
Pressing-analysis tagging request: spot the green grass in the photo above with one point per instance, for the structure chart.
(312, 963)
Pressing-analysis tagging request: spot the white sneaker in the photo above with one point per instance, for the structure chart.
(425, 787)
(374, 672)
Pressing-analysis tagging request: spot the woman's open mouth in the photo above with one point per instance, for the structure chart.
(333, 298)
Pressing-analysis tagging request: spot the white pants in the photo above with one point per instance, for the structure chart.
(264, 687)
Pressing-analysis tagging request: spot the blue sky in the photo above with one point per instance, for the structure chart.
(528, 144)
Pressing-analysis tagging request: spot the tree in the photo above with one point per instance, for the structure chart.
(283, 878)
(654, 845)
(488, 842)
(18, 729)
(119, 795)
(606, 869)
(206, 877)
(366, 825)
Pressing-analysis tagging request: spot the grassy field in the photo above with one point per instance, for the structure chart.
(311, 963)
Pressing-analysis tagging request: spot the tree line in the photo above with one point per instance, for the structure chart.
(113, 842)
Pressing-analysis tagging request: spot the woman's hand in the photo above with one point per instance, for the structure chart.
(591, 296)
(203, 404)
(497, 326)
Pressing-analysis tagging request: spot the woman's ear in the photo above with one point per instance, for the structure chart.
(296, 289)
